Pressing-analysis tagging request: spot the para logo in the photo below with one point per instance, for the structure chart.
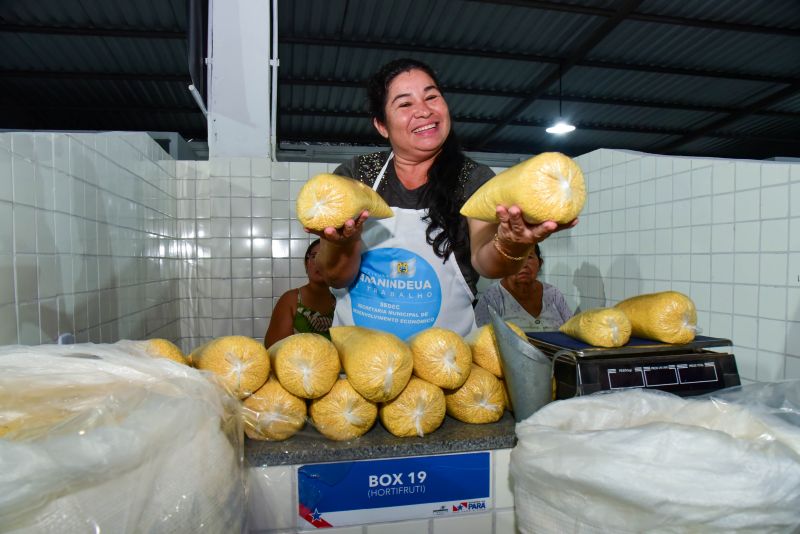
(469, 506)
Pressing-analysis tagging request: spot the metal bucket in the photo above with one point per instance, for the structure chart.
(526, 370)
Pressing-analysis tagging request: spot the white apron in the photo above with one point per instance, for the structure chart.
(402, 287)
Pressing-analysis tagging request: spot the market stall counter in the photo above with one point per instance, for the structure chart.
(309, 446)
(457, 474)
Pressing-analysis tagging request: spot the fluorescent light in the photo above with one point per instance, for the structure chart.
(560, 127)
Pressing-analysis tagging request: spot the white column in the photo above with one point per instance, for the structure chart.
(239, 78)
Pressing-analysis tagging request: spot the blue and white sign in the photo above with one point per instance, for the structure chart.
(396, 291)
(372, 491)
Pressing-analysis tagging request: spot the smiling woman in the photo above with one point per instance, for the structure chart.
(417, 122)
(425, 178)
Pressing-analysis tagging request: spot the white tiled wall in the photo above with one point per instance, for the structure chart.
(726, 233)
(88, 238)
(104, 236)
(273, 506)
(239, 215)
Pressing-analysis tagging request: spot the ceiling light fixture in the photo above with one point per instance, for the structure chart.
(561, 126)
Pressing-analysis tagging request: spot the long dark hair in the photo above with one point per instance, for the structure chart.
(442, 196)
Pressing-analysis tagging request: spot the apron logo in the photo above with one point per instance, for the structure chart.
(396, 291)
(403, 268)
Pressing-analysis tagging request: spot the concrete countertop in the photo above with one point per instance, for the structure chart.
(309, 446)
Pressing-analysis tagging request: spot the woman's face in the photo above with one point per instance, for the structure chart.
(312, 270)
(530, 270)
(417, 117)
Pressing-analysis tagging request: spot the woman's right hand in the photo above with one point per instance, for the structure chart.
(339, 256)
(349, 232)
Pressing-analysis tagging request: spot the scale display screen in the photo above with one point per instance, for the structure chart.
(620, 376)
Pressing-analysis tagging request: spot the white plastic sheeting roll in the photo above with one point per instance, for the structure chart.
(96, 439)
(649, 461)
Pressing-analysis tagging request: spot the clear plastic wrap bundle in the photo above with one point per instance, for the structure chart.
(96, 438)
(307, 365)
(600, 327)
(480, 400)
(547, 187)
(668, 316)
(342, 414)
(241, 362)
(377, 364)
(417, 411)
(272, 413)
(441, 357)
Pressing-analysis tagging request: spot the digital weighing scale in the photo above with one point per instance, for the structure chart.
(685, 370)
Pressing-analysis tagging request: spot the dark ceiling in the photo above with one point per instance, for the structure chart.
(692, 77)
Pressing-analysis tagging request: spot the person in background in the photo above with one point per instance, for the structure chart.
(419, 268)
(523, 300)
(305, 309)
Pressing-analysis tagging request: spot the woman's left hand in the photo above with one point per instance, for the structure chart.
(514, 240)
(517, 233)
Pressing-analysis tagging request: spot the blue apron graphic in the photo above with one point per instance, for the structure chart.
(406, 286)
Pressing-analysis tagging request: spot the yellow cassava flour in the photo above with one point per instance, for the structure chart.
(485, 352)
(342, 413)
(272, 413)
(547, 187)
(441, 357)
(330, 200)
(241, 362)
(668, 316)
(417, 411)
(479, 400)
(378, 364)
(307, 365)
(601, 327)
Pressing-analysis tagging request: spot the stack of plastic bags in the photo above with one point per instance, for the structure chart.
(109, 439)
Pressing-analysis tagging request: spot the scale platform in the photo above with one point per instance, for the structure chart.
(685, 370)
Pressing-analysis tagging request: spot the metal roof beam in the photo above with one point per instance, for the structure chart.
(682, 106)
(569, 149)
(479, 120)
(93, 75)
(536, 58)
(101, 108)
(93, 32)
(72, 124)
(707, 130)
(542, 124)
(624, 8)
(648, 17)
(566, 98)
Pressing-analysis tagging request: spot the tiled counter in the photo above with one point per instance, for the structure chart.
(273, 504)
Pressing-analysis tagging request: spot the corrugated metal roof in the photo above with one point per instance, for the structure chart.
(690, 77)
(130, 14)
(700, 48)
(661, 75)
(92, 65)
(768, 13)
